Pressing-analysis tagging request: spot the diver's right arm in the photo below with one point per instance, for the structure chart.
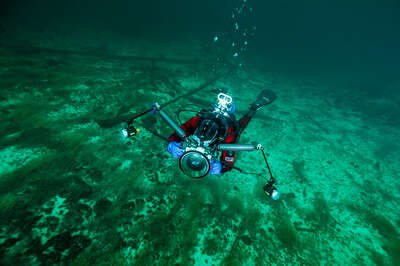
(189, 127)
(175, 142)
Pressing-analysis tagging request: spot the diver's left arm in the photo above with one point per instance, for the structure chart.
(228, 157)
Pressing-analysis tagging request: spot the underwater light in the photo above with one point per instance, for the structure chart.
(275, 194)
(271, 190)
(129, 131)
(124, 132)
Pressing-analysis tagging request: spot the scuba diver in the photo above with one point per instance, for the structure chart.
(207, 142)
(211, 127)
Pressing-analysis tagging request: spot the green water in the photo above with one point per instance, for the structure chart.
(74, 191)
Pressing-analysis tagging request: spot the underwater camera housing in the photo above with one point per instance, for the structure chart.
(195, 161)
(194, 164)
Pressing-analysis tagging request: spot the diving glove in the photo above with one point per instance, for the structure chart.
(175, 148)
(216, 167)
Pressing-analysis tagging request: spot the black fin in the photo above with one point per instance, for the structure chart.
(264, 98)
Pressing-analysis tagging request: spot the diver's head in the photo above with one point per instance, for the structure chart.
(207, 132)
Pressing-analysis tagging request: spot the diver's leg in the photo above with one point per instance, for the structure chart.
(264, 98)
(245, 120)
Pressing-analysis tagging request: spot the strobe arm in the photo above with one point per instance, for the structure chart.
(239, 147)
(131, 131)
(269, 188)
(170, 121)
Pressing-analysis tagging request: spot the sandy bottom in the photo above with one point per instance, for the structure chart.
(74, 191)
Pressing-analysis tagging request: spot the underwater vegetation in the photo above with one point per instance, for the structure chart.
(286, 234)
(320, 216)
(388, 231)
(384, 227)
(298, 168)
(389, 240)
(392, 247)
